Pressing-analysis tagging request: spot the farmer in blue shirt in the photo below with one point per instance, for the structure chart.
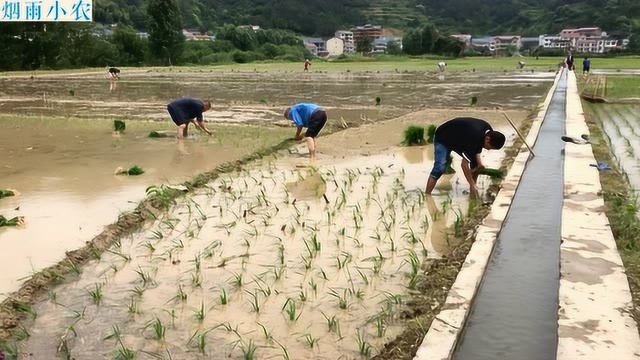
(183, 111)
(586, 65)
(308, 115)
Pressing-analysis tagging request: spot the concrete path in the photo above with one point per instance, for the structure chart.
(594, 320)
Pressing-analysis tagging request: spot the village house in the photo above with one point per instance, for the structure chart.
(318, 42)
(368, 30)
(346, 36)
(335, 46)
(313, 49)
(500, 44)
(191, 35)
(380, 44)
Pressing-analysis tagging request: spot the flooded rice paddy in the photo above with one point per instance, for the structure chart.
(258, 97)
(313, 262)
(278, 259)
(621, 124)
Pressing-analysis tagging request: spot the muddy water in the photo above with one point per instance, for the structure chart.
(621, 125)
(260, 96)
(68, 191)
(375, 221)
(514, 315)
(270, 227)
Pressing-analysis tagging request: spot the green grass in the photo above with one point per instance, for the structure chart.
(619, 87)
(6, 193)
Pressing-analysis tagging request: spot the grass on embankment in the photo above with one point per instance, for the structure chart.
(621, 210)
(620, 87)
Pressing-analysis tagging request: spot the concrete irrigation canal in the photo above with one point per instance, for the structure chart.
(544, 279)
(515, 313)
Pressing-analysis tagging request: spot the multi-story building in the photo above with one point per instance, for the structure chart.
(318, 42)
(503, 42)
(313, 49)
(372, 31)
(553, 42)
(380, 44)
(346, 36)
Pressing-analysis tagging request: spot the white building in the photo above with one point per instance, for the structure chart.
(553, 42)
(335, 46)
(346, 36)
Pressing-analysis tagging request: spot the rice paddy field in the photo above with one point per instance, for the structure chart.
(271, 258)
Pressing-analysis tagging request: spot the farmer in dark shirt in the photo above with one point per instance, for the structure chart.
(586, 65)
(466, 136)
(114, 73)
(183, 111)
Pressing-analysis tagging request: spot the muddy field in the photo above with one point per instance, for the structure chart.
(258, 97)
(621, 125)
(277, 260)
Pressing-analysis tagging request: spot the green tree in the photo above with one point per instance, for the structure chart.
(412, 42)
(429, 37)
(364, 45)
(130, 47)
(393, 48)
(164, 24)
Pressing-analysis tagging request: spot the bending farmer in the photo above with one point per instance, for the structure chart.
(466, 136)
(308, 115)
(183, 111)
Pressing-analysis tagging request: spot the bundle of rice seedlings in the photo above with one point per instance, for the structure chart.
(414, 135)
(431, 132)
(158, 134)
(119, 125)
(378, 101)
(134, 170)
(493, 173)
(15, 221)
(6, 193)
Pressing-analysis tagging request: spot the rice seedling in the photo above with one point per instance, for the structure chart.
(303, 295)
(307, 262)
(21, 333)
(458, 223)
(248, 350)
(200, 313)
(24, 307)
(132, 307)
(343, 301)
(196, 279)
(278, 273)
(290, 309)
(135, 170)
(380, 326)
(96, 293)
(311, 341)
(124, 353)
(410, 236)
(159, 329)
(363, 346)
(238, 280)
(116, 333)
(139, 290)
(395, 299)
(145, 276)
(200, 338)
(181, 296)
(254, 301)
(364, 277)
(267, 333)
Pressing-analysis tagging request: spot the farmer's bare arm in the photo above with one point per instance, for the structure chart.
(299, 133)
(200, 125)
(468, 174)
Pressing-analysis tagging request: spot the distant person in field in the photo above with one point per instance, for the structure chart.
(114, 73)
(521, 64)
(466, 136)
(586, 65)
(307, 63)
(184, 111)
(310, 116)
(441, 66)
(570, 63)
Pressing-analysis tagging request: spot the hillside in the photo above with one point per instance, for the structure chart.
(526, 17)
